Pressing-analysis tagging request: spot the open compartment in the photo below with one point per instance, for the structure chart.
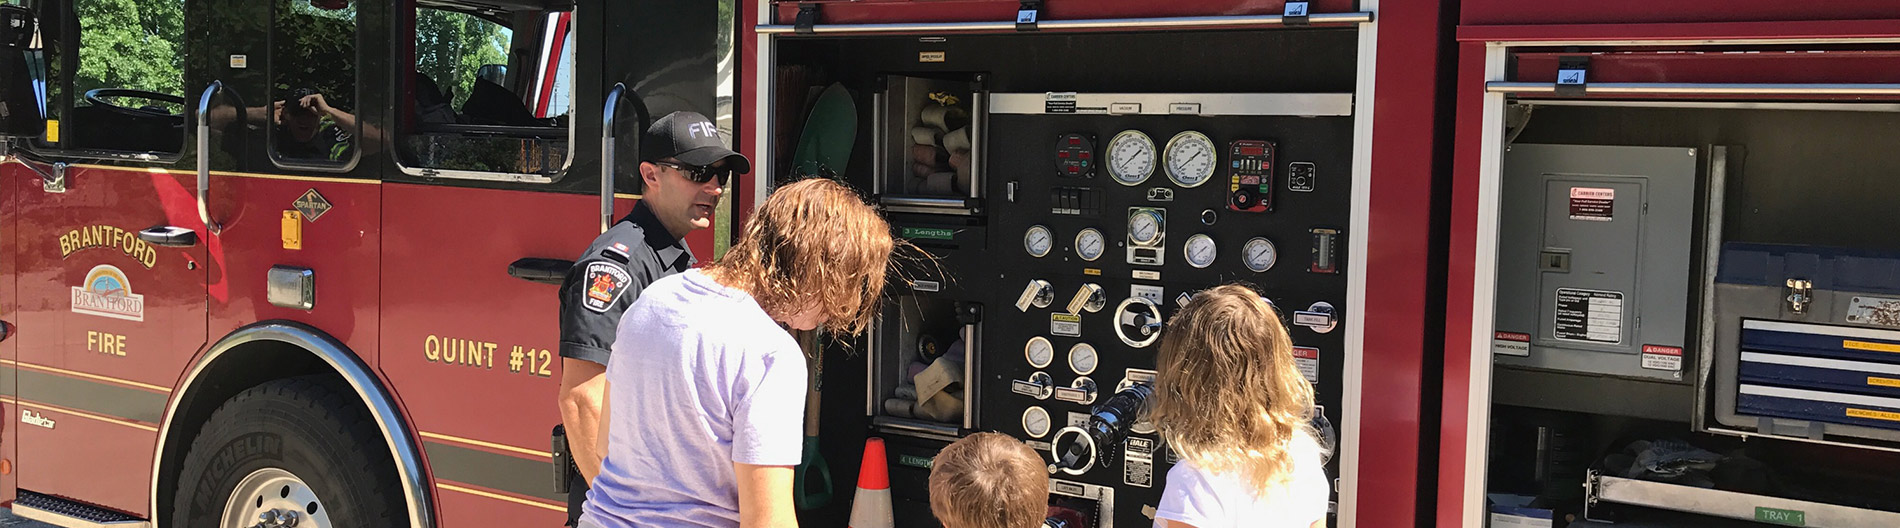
(922, 366)
(927, 143)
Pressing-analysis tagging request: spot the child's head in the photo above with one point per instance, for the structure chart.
(1227, 395)
(813, 252)
(989, 480)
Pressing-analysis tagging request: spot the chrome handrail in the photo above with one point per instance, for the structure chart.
(1360, 17)
(204, 155)
(1506, 87)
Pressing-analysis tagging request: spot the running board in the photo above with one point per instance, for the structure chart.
(71, 514)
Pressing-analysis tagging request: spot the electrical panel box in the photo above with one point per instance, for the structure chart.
(1594, 259)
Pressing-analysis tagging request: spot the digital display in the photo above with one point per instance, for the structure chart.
(1253, 151)
(1145, 253)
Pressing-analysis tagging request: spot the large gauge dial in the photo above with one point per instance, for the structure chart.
(1191, 158)
(1199, 250)
(1144, 227)
(1036, 422)
(1259, 254)
(1131, 157)
(1039, 352)
(1083, 359)
(1089, 244)
(1037, 241)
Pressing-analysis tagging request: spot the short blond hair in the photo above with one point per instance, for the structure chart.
(813, 243)
(989, 480)
(1228, 396)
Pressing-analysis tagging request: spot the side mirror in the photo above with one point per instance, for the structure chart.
(20, 111)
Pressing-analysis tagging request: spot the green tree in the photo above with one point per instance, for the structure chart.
(136, 44)
(452, 46)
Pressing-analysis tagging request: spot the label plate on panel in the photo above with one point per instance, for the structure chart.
(1590, 316)
(1874, 311)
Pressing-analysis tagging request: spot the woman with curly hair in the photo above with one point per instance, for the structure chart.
(705, 401)
(1230, 401)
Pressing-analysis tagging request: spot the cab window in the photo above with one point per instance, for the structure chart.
(489, 94)
(311, 112)
(115, 78)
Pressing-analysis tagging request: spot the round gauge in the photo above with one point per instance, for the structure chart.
(1191, 158)
(1089, 244)
(1259, 254)
(1082, 359)
(1144, 227)
(1038, 240)
(1036, 422)
(1039, 352)
(1075, 156)
(1199, 250)
(1131, 157)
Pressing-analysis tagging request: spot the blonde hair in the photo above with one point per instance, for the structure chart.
(1228, 397)
(812, 244)
(989, 480)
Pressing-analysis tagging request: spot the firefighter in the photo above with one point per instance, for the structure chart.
(685, 167)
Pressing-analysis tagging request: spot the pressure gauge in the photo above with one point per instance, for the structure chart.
(1089, 244)
(1036, 422)
(1199, 250)
(1038, 240)
(1083, 359)
(1191, 159)
(1259, 254)
(1131, 157)
(1144, 227)
(1039, 352)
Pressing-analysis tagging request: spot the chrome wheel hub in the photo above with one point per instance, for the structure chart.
(274, 498)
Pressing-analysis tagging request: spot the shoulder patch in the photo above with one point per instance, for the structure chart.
(605, 282)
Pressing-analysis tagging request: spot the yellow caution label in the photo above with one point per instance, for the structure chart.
(1874, 347)
(293, 230)
(52, 131)
(1883, 382)
(1873, 415)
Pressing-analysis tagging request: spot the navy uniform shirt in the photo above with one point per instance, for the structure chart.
(609, 276)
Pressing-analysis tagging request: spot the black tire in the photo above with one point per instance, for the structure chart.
(304, 427)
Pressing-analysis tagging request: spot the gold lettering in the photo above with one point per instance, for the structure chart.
(105, 343)
(65, 246)
(432, 348)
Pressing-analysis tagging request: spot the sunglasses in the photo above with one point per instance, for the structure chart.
(701, 174)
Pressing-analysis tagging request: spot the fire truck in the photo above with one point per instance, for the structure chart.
(1545, 264)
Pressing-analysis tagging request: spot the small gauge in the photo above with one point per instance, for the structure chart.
(1089, 244)
(1259, 254)
(1039, 352)
(1144, 227)
(1131, 157)
(1199, 250)
(1082, 359)
(1036, 422)
(1191, 158)
(1075, 156)
(1038, 240)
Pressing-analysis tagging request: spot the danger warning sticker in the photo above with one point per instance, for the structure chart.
(1511, 343)
(1658, 357)
(1308, 360)
(1592, 204)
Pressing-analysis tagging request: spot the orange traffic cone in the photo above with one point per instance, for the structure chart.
(871, 508)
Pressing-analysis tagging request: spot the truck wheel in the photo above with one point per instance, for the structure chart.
(291, 452)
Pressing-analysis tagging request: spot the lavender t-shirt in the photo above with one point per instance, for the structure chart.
(699, 378)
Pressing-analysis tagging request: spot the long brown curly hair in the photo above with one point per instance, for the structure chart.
(1228, 396)
(813, 243)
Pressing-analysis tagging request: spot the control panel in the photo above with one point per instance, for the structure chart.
(1072, 352)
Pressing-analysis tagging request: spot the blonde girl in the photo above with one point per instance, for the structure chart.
(1230, 401)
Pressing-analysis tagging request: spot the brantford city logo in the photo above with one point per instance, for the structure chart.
(106, 293)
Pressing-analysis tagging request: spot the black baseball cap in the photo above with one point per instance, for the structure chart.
(690, 138)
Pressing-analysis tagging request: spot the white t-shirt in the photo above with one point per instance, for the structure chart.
(1209, 500)
(700, 378)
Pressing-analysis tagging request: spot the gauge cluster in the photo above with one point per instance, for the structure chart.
(1124, 234)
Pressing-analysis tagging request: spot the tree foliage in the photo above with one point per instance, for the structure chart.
(451, 47)
(315, 49)
(136, 44)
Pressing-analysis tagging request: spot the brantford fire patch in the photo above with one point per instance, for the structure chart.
(605, 283)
